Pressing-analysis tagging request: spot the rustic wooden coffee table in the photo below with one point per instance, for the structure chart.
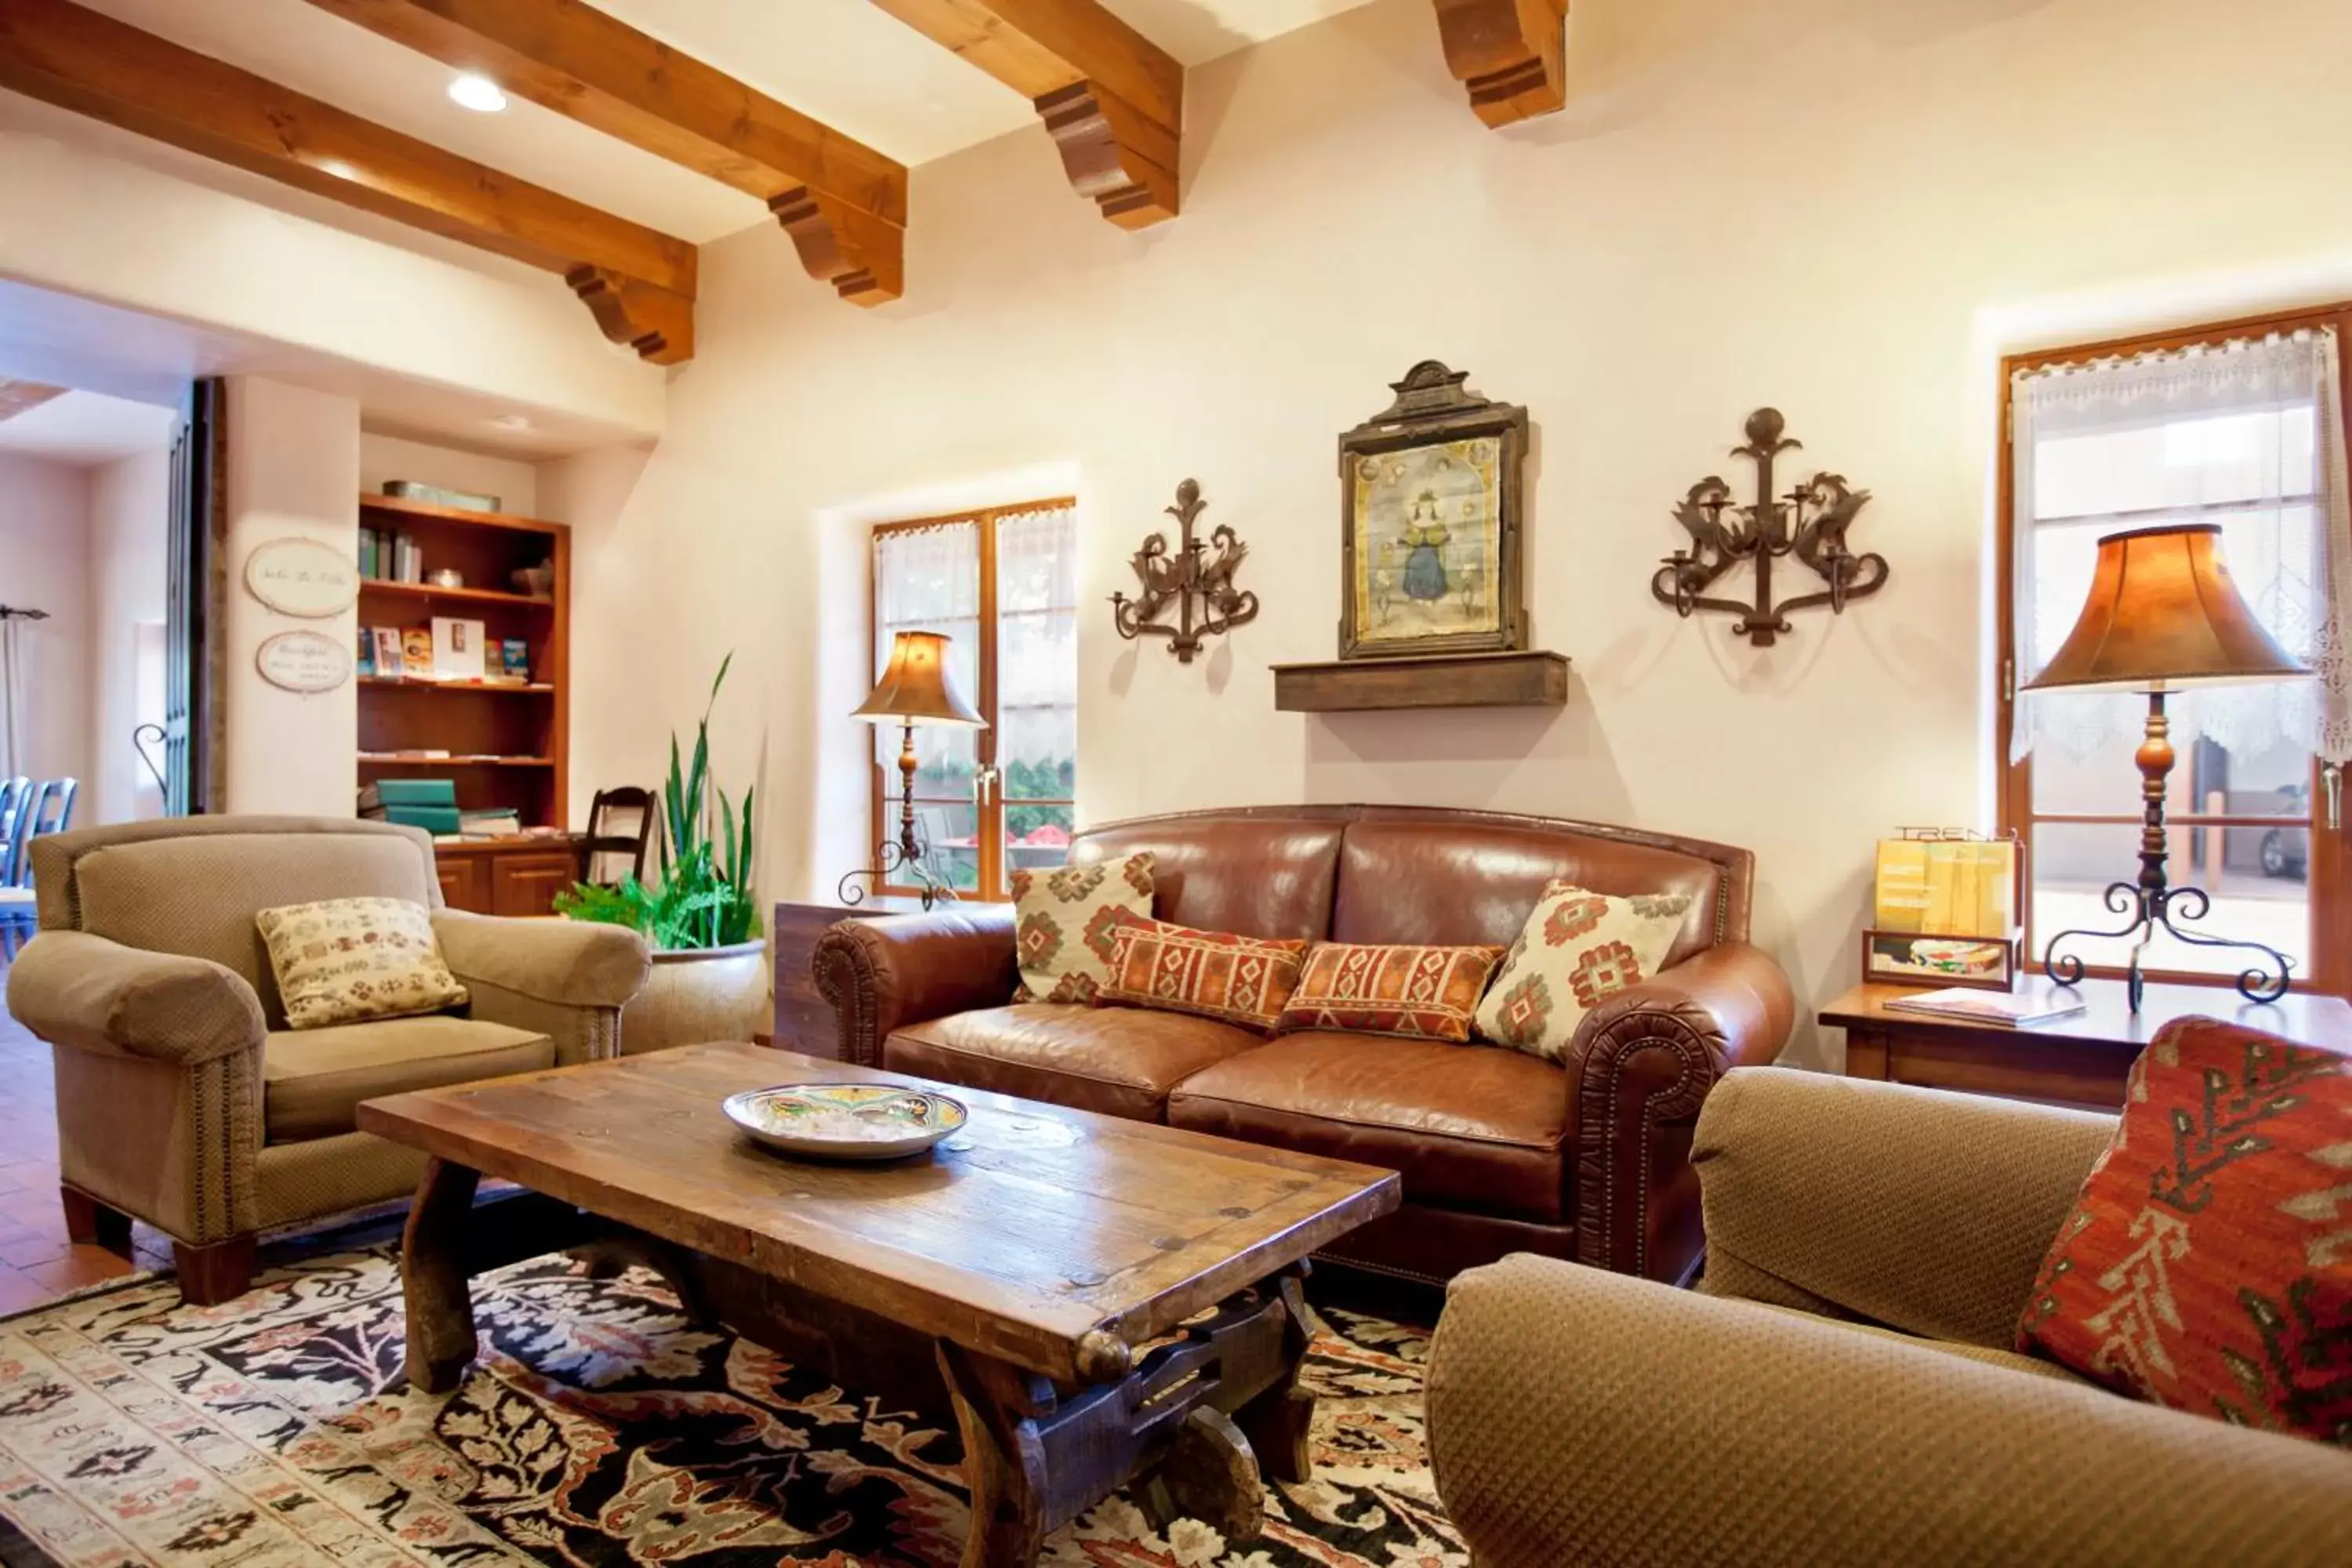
(1021, 1273)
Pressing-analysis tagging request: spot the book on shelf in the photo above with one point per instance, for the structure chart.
(457, 652)
(514, 659)
(2036, 1003)
(364, 660)
(391, 658)
(491, 823)
(417, 650)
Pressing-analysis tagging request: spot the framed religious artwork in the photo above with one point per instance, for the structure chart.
(1430, 522)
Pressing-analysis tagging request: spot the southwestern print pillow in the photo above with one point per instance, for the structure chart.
(2207, 1264)
(1579, 948)
(1241, 980)
(345, 960)
(1061, 920)
(1428, 993)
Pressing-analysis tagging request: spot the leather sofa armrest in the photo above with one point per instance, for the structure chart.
(1643, 1063)
(1562, 1405)
(1926, 1211)
(71, 988)
(575, 963)
(883, 975)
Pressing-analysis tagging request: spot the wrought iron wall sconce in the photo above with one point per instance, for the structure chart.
(1207, 604)
(1809, 523)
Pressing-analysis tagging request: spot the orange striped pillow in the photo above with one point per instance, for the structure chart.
(1428, 993)
(1241, 980)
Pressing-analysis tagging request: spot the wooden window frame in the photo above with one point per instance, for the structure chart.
(882, 803)
(2329, 862)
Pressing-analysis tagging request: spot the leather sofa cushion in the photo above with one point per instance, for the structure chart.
(313, 1080)
(1469, 1126)
(1417, 883)
(1121, 1061)
(1252, 875)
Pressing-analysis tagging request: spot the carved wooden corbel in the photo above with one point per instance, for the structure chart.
(1114, 153)
(651, 320)
(863, 256)
(1508, 53)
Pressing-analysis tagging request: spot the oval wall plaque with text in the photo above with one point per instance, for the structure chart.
(304, 578)
(303, 662)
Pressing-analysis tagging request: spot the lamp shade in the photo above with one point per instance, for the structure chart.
(914, 687)
(2163, 613)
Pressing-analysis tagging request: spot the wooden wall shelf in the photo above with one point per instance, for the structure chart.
(1537, 679)
(508, 741)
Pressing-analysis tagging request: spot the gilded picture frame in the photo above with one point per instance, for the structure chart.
(1430, 523)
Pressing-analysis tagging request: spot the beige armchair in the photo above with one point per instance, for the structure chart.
(182, 1098)
(1841, 1389)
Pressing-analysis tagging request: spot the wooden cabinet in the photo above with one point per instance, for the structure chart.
(805, 1020)
(505, 876)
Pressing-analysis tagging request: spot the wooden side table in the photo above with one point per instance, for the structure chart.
(805, 1020)
(2080, 1061)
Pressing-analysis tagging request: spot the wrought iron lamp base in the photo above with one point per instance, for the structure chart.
(893, 859)
(2152, 909)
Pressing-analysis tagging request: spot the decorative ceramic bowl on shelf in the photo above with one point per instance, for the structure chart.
(845, 1121)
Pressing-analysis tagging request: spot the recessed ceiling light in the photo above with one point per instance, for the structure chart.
(512, 421)
(478, 93)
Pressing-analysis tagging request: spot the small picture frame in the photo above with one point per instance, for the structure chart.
(1913, 958)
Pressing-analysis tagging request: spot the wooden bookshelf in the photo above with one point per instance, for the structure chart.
(508, 743)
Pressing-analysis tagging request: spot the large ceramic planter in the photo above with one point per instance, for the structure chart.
(698, 993)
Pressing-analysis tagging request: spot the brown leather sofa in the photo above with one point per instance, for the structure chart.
(1501, 1151)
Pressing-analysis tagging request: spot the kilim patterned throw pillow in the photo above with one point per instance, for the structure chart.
(1579, 948)
(1061, 920)
(2207, 1264)
(1428, 993)
(345, 960)
(1241, 980)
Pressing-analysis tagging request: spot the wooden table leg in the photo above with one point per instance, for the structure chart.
(996, 1405)
(1277, 1420)
(433, 1278)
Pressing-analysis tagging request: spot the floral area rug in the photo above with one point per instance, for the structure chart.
(599, 1429)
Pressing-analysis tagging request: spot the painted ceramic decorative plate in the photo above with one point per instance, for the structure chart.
(845, 1121)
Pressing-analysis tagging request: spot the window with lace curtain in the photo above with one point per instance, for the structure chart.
(1003, 584)
(2242, 425)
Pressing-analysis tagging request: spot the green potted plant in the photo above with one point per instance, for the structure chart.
(709, 979)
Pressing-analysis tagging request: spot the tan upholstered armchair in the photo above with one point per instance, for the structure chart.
(184, 1100)
(1841, 1389)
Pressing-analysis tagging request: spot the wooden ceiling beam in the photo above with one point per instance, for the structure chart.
(1112, 100)
(843, 204)
(23, 396)
(93, 65)
(1510, 54)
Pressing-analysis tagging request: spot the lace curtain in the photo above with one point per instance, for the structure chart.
(2248, 434)
(928, 579)
(1037, 652)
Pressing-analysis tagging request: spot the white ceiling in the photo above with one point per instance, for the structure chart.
(84, 428)
(146, 360)
(845, 61)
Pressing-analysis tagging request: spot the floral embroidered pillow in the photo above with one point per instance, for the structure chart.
(1578, 949)
(1062, 923)
(344, 961)
(2207, 1264)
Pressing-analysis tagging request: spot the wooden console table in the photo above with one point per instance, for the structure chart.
(2079, 1060)
(805, 1020)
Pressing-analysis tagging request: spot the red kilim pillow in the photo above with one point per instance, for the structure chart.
(1241, 980)
(1428, 992)
(2207, 1264)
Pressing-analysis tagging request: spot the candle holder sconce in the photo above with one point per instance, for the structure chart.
(1207, 604)
(1809, 523)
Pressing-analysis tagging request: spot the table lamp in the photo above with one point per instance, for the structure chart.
(2163, 614)
(914, 690)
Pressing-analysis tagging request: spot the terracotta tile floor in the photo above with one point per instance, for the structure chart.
(36, 1261)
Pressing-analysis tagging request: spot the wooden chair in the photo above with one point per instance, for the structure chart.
(608, 836)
